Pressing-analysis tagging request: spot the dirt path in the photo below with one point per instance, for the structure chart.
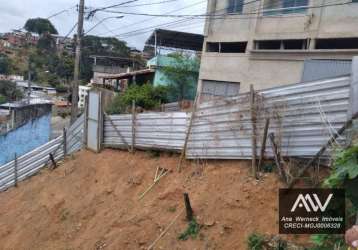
(91, 202)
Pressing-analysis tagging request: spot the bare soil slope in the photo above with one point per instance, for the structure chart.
(91, 202)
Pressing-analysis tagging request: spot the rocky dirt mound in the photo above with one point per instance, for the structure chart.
(91, 202)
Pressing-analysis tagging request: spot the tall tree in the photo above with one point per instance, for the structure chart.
(9, 91)
(47, 43)
(40, 26)
(5, 64)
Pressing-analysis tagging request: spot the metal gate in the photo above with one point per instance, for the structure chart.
(94, 121)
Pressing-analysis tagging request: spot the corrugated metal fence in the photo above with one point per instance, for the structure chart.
(163, 131)
(32, 162)
(303, 116)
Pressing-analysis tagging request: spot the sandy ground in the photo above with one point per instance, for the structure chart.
(91, 202)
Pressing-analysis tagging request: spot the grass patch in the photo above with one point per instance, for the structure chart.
(192, 231)
(255, 242)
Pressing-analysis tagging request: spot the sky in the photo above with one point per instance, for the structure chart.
(14, 14)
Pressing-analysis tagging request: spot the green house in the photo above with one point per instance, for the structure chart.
(161, 62)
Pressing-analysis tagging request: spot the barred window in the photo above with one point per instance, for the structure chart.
(235, 6)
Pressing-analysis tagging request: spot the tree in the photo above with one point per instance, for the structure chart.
(40, 26)
(5, 64)
(47, 43)
(182, 74)
(9, 91)
(102, 46)
(146, 96)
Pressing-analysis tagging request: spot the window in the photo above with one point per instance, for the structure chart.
(337, 43)
(233, 47)
(274, 7)
(293, 44)
(212, 47)
(235, 6)
(226, 47)
(211, 89)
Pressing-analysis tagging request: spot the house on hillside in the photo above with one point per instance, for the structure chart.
(158, 48)
(269, 43)
(18, 38)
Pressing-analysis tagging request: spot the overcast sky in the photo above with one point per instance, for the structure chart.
(14, 14)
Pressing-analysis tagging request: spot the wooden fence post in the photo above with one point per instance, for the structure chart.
(253, 137)
(64, 142)
(133, 125)
(15, 170)
(263, 145)
(189, 210)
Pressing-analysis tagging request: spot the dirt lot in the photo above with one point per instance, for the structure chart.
(91, 202)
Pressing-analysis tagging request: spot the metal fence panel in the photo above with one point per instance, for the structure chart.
(303, 117)
(32, 162)
(162, 131)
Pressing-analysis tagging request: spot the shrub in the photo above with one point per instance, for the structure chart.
(255, 241)
(2, 99)
(192, 231)
(145, 96)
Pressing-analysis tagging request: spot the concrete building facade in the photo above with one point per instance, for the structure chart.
(266, 42)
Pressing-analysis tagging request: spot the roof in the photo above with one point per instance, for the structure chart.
(134, 73)
(175, 39)
(24, 103)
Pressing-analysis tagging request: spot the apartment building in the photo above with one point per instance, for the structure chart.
(274, 42)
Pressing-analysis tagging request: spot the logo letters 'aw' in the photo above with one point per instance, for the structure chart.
(305, 201)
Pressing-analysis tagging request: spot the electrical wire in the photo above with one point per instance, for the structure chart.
(152, 18)
(223, 15)
(93, 12)
(143, 30)
(148, 4)
(61, 12)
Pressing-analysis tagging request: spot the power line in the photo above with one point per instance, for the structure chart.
(147, 4)
(93, 12)
(61, 12)
(223, 15)
(149, 29)
(149, 19)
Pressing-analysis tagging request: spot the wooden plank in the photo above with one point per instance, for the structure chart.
(322, 150)
(263, 145)
(277, 157)
(15, 170)
(188, 132)
(253, 135)
(133, 126)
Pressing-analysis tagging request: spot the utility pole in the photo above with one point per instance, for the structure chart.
(29, 82)
(74, 106)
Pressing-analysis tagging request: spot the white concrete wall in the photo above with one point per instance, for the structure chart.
(271, 68)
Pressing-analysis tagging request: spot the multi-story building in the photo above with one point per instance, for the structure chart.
(274, 42)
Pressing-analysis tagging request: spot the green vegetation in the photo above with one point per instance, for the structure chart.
(55, 68)
(102, 46)
(192, 231)
(5, 64)
(145, 96)
(40, 26)
(343, 175)
(2, 99)
(256, 241)
(183, 76)
(8, 92)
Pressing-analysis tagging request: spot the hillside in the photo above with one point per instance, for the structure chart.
(91, 202)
